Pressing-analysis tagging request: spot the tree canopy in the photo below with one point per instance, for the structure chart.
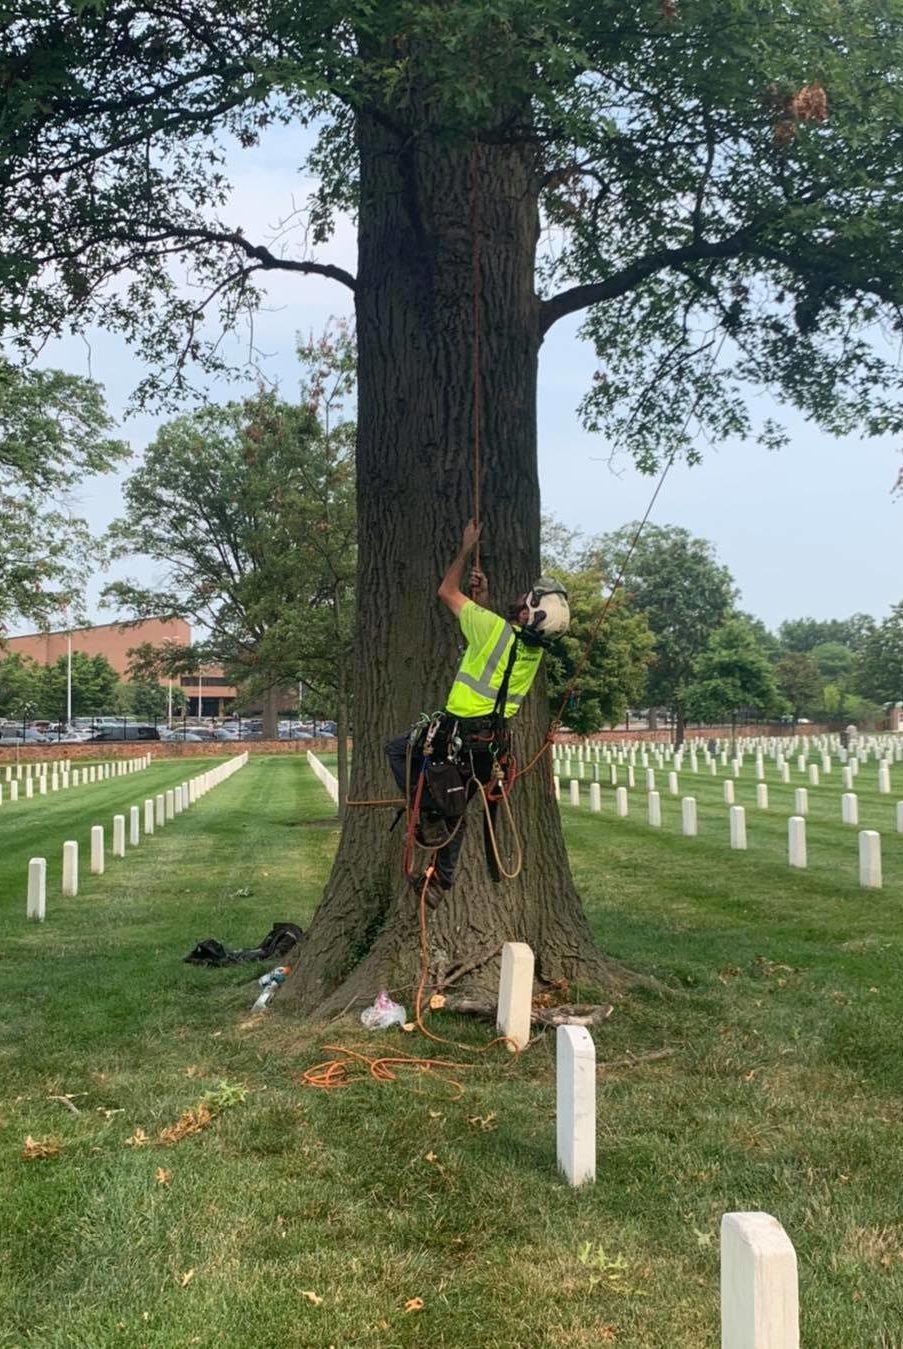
(54, 433)
(732, 675)
(250, 508)
(722, 183)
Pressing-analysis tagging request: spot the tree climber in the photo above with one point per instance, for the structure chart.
(467, 744)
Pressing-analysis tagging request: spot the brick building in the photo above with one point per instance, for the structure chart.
(209, 687)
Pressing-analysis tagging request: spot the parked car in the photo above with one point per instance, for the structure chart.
(183, 734)
(120, 732)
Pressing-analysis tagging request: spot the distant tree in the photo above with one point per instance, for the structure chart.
(766, 640)
(250, 508)
(685, 593)
(53, 435)
(833, 660)
(20, 684)
(94, 685)
(614, 674)
(799, 681)
(732, 675)
(880, 671)
(803, 634)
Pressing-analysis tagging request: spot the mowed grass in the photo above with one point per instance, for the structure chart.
(781, 1001)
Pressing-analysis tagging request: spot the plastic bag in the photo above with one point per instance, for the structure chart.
(383, 1013)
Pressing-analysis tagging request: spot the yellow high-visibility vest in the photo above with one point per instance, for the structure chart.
(484, 663)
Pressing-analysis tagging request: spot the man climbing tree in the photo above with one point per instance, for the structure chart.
(716, 190)
(465, 748)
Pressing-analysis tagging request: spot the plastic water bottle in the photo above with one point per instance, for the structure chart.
(269, 983)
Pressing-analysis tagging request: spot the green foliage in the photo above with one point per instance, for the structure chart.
(799, 682)
(94, 687)
(732, 675)
(20, 685)
(613, 675)
(250, 509)
(685, 594)
(721, 182)
(832, 659)
(53, 435)
(804, 634)
(880, 675)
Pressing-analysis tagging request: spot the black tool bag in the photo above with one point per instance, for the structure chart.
(447, 789)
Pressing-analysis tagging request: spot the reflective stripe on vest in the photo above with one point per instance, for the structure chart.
(481, 683)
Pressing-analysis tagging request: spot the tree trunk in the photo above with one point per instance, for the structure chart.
(680, 726)
(341, 731)
(419, 203)
(270, 714)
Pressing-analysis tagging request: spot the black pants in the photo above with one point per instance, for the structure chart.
(482, 763)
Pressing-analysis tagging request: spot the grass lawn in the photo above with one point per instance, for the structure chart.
(784, 1092)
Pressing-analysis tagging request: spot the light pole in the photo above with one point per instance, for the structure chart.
(200, 691)
(69, 679)
(169, 705)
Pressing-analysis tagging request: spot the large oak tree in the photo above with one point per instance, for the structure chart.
(715, 185)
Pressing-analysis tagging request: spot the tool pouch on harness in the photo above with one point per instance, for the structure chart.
(447, 789)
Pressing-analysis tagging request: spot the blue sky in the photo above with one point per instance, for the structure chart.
(811, 529)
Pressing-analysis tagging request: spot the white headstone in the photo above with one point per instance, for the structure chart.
(119, 836)
(688, 816)
(785, 773)
(621, 801)
(796, 840)
(556, 787)
(575, 1072)
(149, 815)
(849, 808)
(654, 809)
(631, 775)
(738, 827)
(159, 810)
(135, 826)
(595, 797)
(170, 799)
(29, 787)
(673, 787)
(650, 779)
(575, 792)
(729, 791)
(759, 1284)
(846, 779)
(97, 854)
(14, 790)
(801, 801)
(36, 902)
(884, 777)
(762, 796)
(870, 859)
(515, 994)
(900, 817)
(70, 868)
(813, 775)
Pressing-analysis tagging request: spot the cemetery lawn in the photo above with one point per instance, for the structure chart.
(306, 1218)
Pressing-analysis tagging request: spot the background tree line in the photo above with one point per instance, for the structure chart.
(249, 509)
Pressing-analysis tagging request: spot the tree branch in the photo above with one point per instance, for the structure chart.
(266, 260)
(594, 292)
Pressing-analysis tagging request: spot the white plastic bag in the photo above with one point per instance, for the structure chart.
(383, 1013)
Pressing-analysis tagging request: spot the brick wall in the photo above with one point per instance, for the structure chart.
(160, 749)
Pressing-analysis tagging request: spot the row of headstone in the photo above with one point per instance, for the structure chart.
(869, 839)
(158, 811)
(759, 1282)
(19, 788)
(329, 780)
(580, 769)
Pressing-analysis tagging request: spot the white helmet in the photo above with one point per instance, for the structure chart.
(548, 608)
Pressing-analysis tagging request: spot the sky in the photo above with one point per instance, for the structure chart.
(812, 529)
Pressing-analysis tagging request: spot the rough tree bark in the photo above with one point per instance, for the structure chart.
(421, 204)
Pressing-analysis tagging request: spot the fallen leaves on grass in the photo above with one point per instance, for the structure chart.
(185, 1279)
(313, 1298)
(486, 1123)
(162, 1176)
(190, 1122)
(139, 1139)
(414, 1304)
(437, 1001)
(38, 1149)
